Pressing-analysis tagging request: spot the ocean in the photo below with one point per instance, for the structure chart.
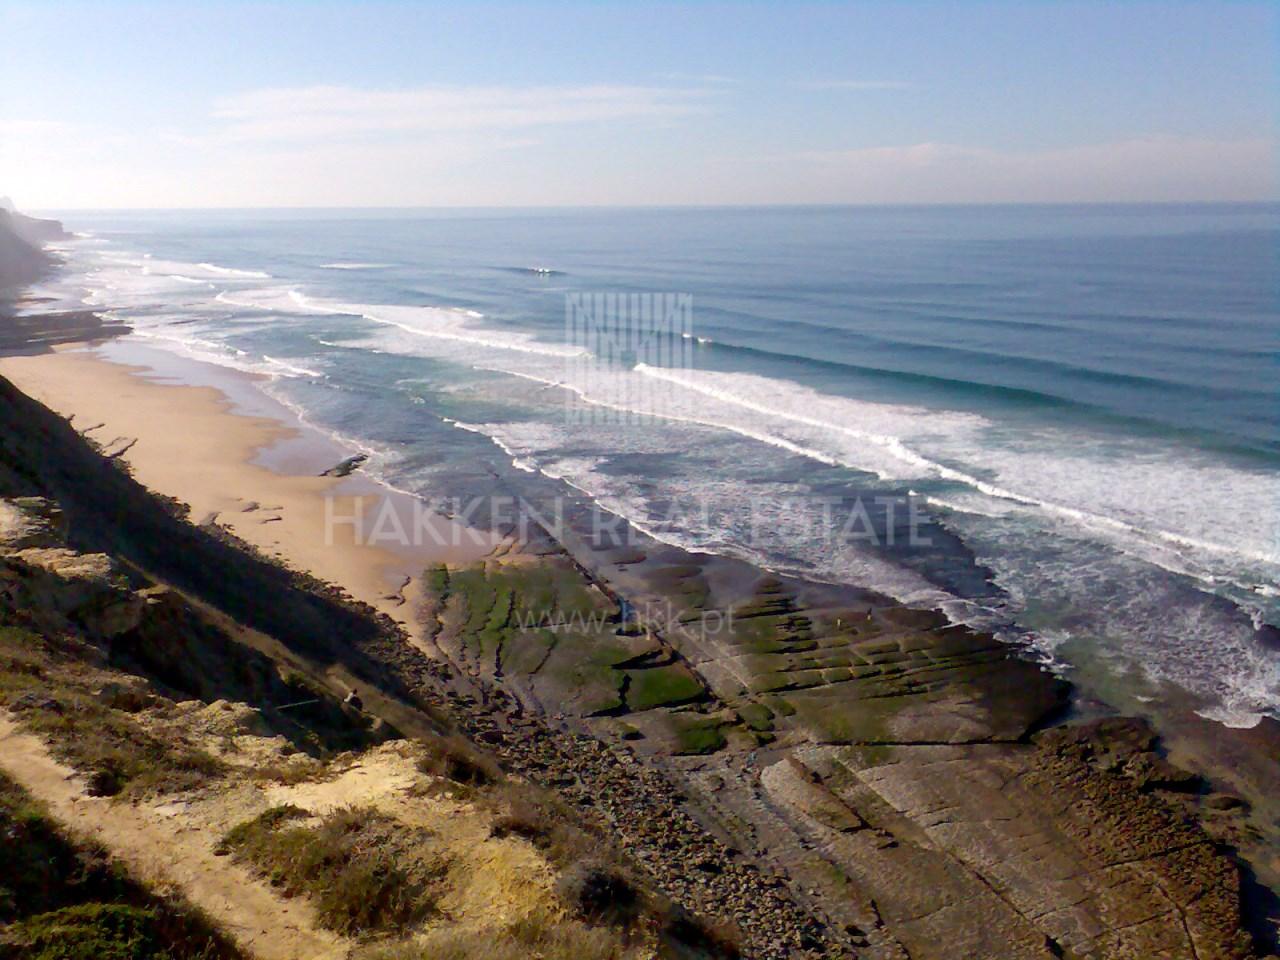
(1074, 409)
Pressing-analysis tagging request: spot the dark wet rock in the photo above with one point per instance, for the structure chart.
(1153, 772)
(1224, 801)
(346, 467)
(1125, 745)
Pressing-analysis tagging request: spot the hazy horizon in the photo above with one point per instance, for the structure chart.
(290, 105)
(550, 207)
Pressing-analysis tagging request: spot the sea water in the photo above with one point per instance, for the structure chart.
(1079, 402)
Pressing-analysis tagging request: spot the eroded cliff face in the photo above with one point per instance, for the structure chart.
(162, 725)
(20, 262)
(37, 231)
(22, 256)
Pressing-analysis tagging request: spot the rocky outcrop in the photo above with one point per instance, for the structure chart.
(153, 632)
(53, 589)
(36, 331)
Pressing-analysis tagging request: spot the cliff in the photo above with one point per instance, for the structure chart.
(36, 231)
(143, 670)
(22, 239)
(21, 261)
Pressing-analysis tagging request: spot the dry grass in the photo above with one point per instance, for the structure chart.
(524, 810)
(454, 758)
(50, 691)
(290, 772)
(541, 937)
(363, 871)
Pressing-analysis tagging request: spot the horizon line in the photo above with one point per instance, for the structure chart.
(912, 204)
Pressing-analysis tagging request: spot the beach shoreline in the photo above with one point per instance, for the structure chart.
(249, 471)
(211, 439)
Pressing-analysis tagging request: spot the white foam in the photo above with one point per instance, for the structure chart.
(233, 272)
(294, 369)
(518, 462)
(1141, 492)
(976, 505)
(272, 299)
(454, 325)
(1162, 505)
(449, 326)
(1235, 718)
(1126, 611)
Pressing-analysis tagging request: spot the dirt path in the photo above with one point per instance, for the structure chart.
(165, 850)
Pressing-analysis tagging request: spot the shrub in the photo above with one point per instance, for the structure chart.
(598, 891)
(528, 811)
(553, 938)
(66, 899)
(365, 872)
(455, 759)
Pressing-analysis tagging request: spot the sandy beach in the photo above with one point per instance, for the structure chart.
(256, 475)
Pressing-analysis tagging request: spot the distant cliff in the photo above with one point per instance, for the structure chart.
(22, 259)
(35, 230)
(20, 262)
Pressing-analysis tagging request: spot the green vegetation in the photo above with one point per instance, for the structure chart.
(436, 580)
(671, 685)
(94, 931)
(756, 716)
(364, 872)
(697, 734)
(64, 900)
(546, 623)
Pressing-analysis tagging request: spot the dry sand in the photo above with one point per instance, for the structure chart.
(187, 442)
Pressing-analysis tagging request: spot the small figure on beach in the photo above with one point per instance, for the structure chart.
(353, 700)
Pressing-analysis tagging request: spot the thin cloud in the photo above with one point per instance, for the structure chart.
(854, 85)
(335, 112)
(1150, 168)
(713, 78)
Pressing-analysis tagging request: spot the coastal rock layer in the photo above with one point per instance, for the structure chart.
(878, 762)
(830, 774)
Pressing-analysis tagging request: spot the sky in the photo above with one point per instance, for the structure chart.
(239, 104)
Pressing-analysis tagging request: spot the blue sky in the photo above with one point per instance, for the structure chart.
(249, 104)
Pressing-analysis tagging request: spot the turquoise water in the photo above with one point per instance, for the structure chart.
(1078, 403)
